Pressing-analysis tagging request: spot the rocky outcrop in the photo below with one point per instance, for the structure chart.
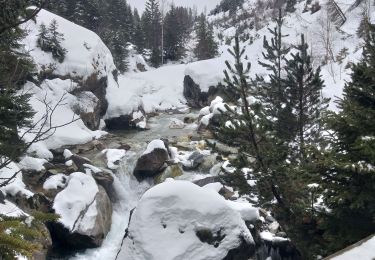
(195, 97)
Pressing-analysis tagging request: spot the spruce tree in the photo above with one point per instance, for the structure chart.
(15, 68)
(174, 35)
(272, 92)
(55, 40)
(305, 98)
(43, 37)
(151, 20)
(207, 47)
(347, 172)
(138, 36)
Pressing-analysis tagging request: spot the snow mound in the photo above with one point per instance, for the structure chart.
(78, 197)
(55, 181)
(155, 144)
(16, 186)
(169, 218)
(86, 55)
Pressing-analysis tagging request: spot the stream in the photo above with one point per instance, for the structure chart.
(128, 189)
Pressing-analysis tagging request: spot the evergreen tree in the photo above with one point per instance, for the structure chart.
(273, 91)
(347, 172)
(151, 21)
(307, 103)
(15, 68)
(138, 36)
(207, 47)
(174, 35)
(54, 42)
(43, 37)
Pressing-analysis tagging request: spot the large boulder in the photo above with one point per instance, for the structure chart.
(171, 171)
(152, 161)
(85, 214)
(195, 97)
(180, 220)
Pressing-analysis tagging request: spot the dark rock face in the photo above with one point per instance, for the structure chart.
(79, 161)
(123, 122)
(195, 97)
(244, 251)
(2, 197)
(149, 165)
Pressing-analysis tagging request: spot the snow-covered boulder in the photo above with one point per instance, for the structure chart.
(88, 66)
(152, 161)
(85, 213)
(180, 220)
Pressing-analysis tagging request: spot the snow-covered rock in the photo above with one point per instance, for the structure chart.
(180, 220)
(152, 161)
(85, 212)
(113, 157)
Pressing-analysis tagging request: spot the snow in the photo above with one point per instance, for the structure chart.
(216, 186)
(364, 250)
(16, 186)
(78, 196)
(113, 157)
(52, 91)
(11, 210)
(166, 220)
(247, 211)
(56, 181)
(86, 55)
(31, 163)
(155, 144)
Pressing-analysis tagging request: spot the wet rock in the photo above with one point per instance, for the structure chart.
(208, 180)
(171, 171)
(190, 119)
(105, 179)
(194, 160)
(151, 164)
(208, 162)
(38, 202)
(226, 193)
(80, 161)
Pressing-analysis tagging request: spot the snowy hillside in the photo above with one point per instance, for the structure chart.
(162, 88)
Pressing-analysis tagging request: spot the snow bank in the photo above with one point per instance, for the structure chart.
(78, 196)
(168, 217)
(16, 186)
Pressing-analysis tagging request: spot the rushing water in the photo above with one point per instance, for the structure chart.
(128, 189)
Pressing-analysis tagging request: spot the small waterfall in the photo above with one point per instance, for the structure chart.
(129, 192)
